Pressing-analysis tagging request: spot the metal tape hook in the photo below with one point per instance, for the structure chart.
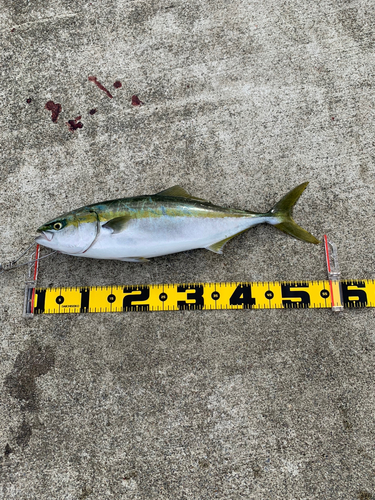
(333, 275)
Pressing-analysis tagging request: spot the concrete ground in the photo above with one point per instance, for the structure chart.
(242, 101)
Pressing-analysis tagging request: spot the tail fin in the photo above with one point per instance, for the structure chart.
(282, 212)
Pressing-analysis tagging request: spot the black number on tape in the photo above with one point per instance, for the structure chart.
(288, 294)
(85, 297)
(195, 292)
(354, 298)
(242, 297)
(142, 294)
(40, 302)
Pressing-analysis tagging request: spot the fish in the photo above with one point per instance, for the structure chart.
(139, 228)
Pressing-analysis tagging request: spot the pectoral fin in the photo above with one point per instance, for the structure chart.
(178, 192)
(117, 224)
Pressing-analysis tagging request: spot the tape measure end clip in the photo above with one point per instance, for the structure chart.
(333, 275)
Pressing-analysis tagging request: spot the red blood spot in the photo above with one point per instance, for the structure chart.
(92, 111)
(98, 84)
(117, 84)
(13, 29)
(28, 100)
(136, 101)
(333, 117)
(55, 108)
(74, 124)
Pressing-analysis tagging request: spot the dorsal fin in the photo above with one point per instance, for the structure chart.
(178, 192)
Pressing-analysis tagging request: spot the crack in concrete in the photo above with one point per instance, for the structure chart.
(44, 20)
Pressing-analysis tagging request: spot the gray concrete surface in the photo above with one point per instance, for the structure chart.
(242, 101)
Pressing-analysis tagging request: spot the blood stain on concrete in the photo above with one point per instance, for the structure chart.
(29, 364)
(100, 86)
(117, 84)
(136, 101)
(92, 111)
(28, 100)
(55, 108)
(74, 124)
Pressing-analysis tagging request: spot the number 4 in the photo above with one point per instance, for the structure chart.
(242, 297)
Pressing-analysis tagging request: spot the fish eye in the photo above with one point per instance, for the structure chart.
(57, 225)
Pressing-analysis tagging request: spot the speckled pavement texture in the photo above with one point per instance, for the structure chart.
(243, 100)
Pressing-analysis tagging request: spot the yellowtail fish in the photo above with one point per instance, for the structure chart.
(136, 229)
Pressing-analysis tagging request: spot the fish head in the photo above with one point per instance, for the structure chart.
(71, 233)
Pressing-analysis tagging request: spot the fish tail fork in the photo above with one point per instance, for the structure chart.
(280, 215)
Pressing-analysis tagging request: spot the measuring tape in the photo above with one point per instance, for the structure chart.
(333, 293)
(206, 296)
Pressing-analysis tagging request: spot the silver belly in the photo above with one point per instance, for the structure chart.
(156, 236)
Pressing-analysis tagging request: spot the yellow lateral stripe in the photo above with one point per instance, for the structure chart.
(206, 296)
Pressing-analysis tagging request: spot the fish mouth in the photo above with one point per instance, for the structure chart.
(45, 235)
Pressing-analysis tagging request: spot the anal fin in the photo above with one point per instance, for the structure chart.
(135, 259)
(218, 246)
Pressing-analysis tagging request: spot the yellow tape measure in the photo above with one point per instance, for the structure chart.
(205, 296)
